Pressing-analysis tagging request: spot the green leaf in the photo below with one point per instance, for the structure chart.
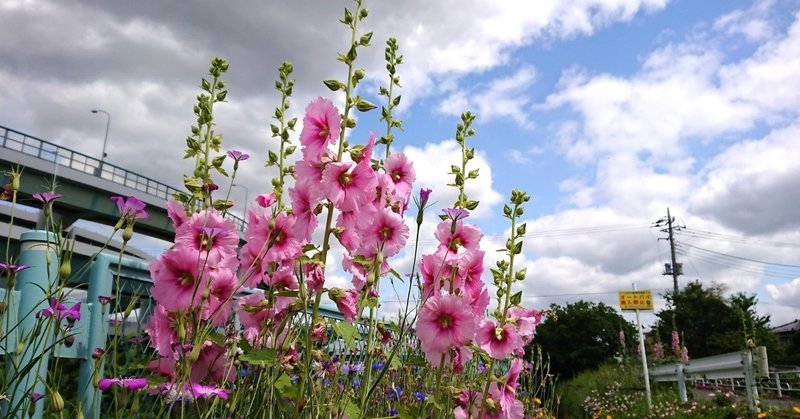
(283, 382)
(222, 171)
(347, 332)
(265, 357)
(351, 410)
(518, 248)
(471, 205)
(371, 302)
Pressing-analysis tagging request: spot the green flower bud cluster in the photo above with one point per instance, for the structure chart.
(504, 275)
(393, 59)
(463, 132)
(281, 130)
(203, 139)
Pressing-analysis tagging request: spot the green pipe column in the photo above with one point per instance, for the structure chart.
(36, 284)
(100, 279)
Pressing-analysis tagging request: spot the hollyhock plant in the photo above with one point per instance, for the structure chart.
(208, 231)
(401, 172)
(386, 232)
(346, 302)
(321, 127)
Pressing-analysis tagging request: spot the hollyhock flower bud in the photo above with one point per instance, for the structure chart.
(98, 353)
(65, 269)
(127, 234)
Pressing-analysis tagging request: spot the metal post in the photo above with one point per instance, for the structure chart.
(681, 383)
(749, 381)
(105, 140)
(778, 383)
(36, 284)
(644, 360)
(100, 280)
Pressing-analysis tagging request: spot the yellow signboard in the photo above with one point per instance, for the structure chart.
(636, 300)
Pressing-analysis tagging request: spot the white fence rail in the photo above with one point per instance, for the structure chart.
(726, 366)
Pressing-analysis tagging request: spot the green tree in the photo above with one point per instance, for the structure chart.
(711, 324)
(582, 336)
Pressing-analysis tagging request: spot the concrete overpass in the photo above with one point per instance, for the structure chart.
(86, 184)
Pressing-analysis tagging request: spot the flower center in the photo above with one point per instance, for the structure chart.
(445, 321)
(345, 179)
(499, 333)
(385, 233)
(396, 175)
(186, 279)
(324, 132)
(455, 243)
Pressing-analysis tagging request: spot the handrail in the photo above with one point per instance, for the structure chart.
(62, 156)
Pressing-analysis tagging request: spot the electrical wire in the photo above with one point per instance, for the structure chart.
(731, 238)
(781, 265)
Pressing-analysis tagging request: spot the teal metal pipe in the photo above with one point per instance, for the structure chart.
(36, 284)
(100, 281)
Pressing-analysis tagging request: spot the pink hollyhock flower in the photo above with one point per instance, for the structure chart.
(304, 210)
(162, 331)
(444, 322)
(202, 391)
(218, 307)
(283, 278)
(508, 398)
(131, 208)
(125, 383)
(212, 365)
(348, 190)
(60, 311)
(498, 342)
(401, 172)
(477, 300)
(346, 230)
(452, 239)
(309, 178)
(179, 279)
(386, 232)
(526, 320)
(208, 231)
(315, 277)
(346, 302)
(438, 273)
(275, 235)
(470, 266)
(176, 213)
(321, 126)
(265, 200)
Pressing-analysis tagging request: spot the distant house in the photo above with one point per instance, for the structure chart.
(785, 331)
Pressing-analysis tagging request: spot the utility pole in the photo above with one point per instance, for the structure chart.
(674, 269)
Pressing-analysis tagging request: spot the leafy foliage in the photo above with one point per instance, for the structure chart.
(582, 335)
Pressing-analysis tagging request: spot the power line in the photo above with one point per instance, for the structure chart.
(733, 239)
(740, 257)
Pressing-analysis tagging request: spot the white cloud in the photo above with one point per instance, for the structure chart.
(788, 292)
(505, 97)
(432, 163)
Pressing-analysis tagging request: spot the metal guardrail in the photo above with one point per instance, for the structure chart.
(62, 156)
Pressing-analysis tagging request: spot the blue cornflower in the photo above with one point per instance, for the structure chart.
(420, 395)
(378, 366)
(392, 412)
(356, 383)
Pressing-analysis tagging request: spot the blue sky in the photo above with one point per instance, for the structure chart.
(606, 111)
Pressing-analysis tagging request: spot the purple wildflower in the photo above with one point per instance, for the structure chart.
(207, 392)
(238, 156)
(126, 383)
(130, 208)
(60, 311)
(46, 197)
(12, 269)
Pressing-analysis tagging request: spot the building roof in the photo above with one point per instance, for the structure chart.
(788, 327)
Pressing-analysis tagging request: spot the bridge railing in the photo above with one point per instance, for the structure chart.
(62, 156)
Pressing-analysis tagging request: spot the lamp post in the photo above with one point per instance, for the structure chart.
(105, 140)
(246, 196)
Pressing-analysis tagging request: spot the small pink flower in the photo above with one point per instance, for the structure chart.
(321, 126)
(124, 383)
(131, 208)
(12, 269)
(498, 342)
(176, 213)
(46, 197)
(238, 156)
(60, 311)
(202, 391)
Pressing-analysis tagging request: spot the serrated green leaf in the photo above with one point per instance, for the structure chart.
(347, 332)
(265, 357)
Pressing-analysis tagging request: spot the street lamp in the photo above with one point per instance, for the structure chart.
(105, 141)
(246, 196)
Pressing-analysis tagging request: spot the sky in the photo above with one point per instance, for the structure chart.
(607, 112)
